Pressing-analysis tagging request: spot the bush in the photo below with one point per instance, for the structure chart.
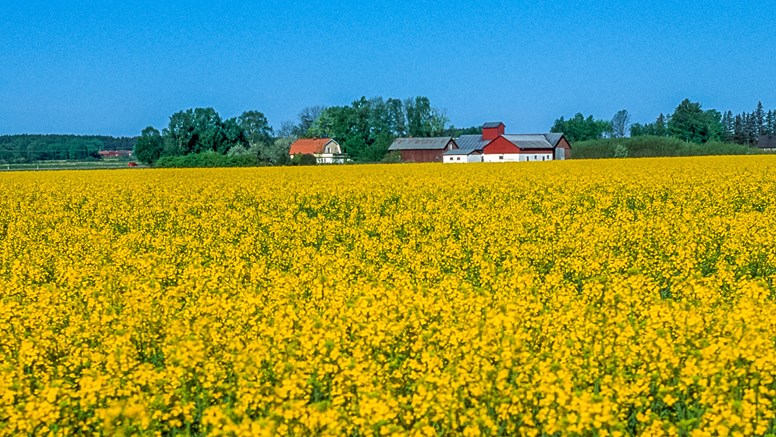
(651, 146)
(391, 157)
(207, 159)
(304, 159)
(620, 151)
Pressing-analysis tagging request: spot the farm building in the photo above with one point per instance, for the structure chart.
(423, 149)
(494, 145)
(767, 143)
(115, 153)
(325, 150)
(461, 156)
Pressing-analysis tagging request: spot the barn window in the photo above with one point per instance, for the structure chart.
(501, 157)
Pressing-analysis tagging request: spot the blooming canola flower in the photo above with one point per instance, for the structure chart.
(615, 297)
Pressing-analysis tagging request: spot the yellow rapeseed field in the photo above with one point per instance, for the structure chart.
(609, 297)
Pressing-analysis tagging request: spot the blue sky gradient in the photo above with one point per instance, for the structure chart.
(114, 67)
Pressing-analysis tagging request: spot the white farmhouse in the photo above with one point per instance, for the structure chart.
(325, 150)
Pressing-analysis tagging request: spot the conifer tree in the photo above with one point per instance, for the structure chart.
(759, 121)
(728, 132)
(738, 129)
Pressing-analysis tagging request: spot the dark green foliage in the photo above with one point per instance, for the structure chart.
(690, 122)
(31, 148)
(234, 133)
(656, 129)
(255, 127)
(198, 130)
(304, 159)
(456, 132)
(206, 159)
(307, 117)
(770, 123)
(367, 127)
(759, 119)
(391, 158)
(579, 128)
(652, 146)
(149, 146)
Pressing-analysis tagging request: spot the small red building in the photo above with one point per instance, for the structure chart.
(115, 153)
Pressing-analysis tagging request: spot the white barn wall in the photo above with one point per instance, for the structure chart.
(517, 157)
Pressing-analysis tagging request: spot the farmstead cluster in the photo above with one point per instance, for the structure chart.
(607, 297)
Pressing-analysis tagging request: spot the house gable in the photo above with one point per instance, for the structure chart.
(563, 143)
(332, 147)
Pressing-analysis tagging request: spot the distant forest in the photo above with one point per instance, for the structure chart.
(30, 148)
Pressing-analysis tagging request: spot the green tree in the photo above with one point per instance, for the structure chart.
(728, 126)
(366, 128)
(661, 126)
(235, 134)
(422, 119)
(198, 130)
(715, 127)
(691, 123)
(397, 118)
(759, 120)
(149, 146)
(210, 131)
(179, 135)
(307, 117)
(579, 128)
(255, 126)
(637, 130)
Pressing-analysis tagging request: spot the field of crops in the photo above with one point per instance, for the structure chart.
(574, 298)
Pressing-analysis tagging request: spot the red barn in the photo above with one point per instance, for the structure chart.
(497, 146)
(518, 148)
(422, 149)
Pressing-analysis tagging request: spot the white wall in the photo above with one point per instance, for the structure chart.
(332, 147)
(455, 159)
(329, 158)
(517, 157)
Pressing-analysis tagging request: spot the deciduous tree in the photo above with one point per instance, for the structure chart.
(149, 146)
(620, 123)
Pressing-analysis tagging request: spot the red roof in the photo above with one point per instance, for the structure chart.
(308, 146)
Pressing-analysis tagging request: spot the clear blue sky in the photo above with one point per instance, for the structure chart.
(114, 67)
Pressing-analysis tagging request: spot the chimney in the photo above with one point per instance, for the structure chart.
(491, 131)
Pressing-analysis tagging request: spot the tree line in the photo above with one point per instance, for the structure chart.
(16, 149)
(688, 122)
(365, 129)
